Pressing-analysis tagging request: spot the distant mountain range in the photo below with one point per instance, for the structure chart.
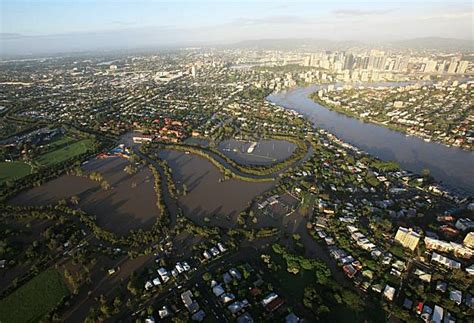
(428, 43)
(294, 43)
(437, 43)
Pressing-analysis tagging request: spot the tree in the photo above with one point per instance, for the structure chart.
(206, 276)
(75, 199)
(105, 185)
(425, 172)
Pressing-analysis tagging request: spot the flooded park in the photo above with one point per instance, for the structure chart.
(129, 204)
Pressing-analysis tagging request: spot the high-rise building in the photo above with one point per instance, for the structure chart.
(349, 62)
(441, 67)
(430, 66)
(452, 67)
(462, 67)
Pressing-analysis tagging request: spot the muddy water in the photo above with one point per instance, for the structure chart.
(453, 167)
(222, 201)
(266, 152)
(129, 204)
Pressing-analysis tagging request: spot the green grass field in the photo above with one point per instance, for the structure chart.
(35, 299)
(65, 153)
(13, 170)
(61, 141)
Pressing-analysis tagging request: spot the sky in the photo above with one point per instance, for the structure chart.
(35, 26)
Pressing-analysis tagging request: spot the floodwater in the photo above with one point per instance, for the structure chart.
(129, 204)
(265, 152)
(452, 167)
(222, 201)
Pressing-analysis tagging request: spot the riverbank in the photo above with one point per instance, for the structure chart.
(364, 112)
(450, 166)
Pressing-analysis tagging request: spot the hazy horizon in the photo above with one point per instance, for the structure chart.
(50, 26)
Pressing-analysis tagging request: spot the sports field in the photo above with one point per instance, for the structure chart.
(13, 170)
(64, 153)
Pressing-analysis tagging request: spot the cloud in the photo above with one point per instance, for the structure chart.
(449, 16)
(8, 36)
(274, 20)
(359, 12)
(123, 23)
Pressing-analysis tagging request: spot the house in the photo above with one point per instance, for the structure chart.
(245, 318)
(419, 308)
(236, 307)
(275, 304)
(441, 286)
(377, 288)
(150, 319)
(218, 290)
(422, 275)
(389, 292)
(470, 269)
(221, 247)
(206, 254)
(164, 312)
(464, 224)
(198, 316)
(407, 304)
(450, 263)
(269, 298)
(444, 246)
(215, 251)
(179, 268)
(456, 296)
(349, 270)
(292, 318)
(469, 301)
(468, 240)
(138, 139)
(148, 285)
(407, 238)
(156, 281)
(189, 303)
(186, 266)
(235, 273)
(162, 272)
(227, 297)
(437, 314)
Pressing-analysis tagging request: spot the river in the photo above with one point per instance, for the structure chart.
(450, 166)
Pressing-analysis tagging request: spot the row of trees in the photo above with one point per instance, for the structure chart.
(256, 170)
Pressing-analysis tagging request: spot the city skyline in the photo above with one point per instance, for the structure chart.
(27, 27)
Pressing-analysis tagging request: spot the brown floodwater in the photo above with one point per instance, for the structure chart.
(222, 201)
(129, 204)
(264, 152)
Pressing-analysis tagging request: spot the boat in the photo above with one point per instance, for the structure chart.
(251, 148)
